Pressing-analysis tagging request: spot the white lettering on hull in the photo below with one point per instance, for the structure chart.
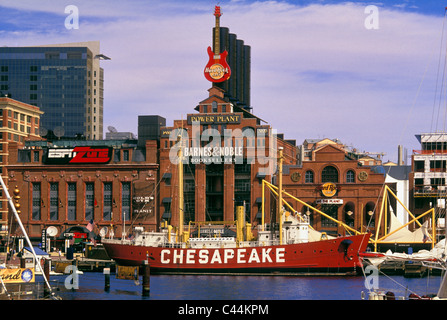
(215, 256)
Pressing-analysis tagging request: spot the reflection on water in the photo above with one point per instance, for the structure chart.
(187, 287)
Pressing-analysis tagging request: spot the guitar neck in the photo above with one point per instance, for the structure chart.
(217, 36)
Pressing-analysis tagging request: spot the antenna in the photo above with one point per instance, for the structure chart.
(59, 131)
(112, 129)
(43, 131)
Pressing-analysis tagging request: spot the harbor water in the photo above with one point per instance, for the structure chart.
(91, 286)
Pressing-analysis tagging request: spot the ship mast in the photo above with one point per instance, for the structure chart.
(180, 187)
(279, 207)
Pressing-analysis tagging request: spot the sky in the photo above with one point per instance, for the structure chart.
(368, 73)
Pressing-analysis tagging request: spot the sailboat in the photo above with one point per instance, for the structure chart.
(26, 274)
(287, 248)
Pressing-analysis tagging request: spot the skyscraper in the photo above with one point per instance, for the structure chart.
(65, 81)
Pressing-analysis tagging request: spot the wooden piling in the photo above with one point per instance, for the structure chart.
(146, 279)
(106, 272)
(46, 271)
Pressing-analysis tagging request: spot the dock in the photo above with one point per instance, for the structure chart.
(408, 269)
(83, 264)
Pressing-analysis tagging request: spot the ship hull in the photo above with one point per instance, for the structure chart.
(334, 256)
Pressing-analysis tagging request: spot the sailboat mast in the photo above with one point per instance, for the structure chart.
(28, 241)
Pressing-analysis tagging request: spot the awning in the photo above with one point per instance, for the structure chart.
(166, 200)
(167, 175)
(260, 175)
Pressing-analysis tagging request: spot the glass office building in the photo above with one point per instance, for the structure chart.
(65, 81)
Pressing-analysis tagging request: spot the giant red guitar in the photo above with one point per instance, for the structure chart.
(217, 69)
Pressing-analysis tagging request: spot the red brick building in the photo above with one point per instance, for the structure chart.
(337, 185)
(111, 183)
(214, 183)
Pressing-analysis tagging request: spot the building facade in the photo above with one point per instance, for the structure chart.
(427, 179)
(337, 185)
(18, 122)
(227, 153)
(110, 183)
(65, 81)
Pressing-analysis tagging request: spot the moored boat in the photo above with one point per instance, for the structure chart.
(229, 256)
(289, 246)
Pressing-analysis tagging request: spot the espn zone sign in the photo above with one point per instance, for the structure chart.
(79, 155)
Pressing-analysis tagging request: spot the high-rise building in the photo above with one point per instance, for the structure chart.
(64, 80)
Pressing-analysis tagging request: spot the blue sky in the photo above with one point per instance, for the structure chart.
(317, 71)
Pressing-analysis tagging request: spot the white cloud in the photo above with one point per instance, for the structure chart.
(316, 70)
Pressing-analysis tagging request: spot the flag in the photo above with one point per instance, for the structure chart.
(90, 225)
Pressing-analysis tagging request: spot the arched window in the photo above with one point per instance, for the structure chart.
(309, 177)
(350, 176)
(329, 174)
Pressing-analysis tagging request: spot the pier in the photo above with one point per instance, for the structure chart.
(408, 269)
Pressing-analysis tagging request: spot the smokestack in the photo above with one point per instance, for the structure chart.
(399, 155)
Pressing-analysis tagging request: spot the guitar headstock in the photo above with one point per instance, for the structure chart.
(217, 12)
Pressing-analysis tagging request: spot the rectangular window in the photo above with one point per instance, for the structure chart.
(242, 185)
(37, 203)
(71, 204)
(107, 207)
(125, 155)
(54, 201)
(125, 200)
(89, 201)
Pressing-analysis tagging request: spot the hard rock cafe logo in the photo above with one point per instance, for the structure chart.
(329, 189)
(216, 71)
